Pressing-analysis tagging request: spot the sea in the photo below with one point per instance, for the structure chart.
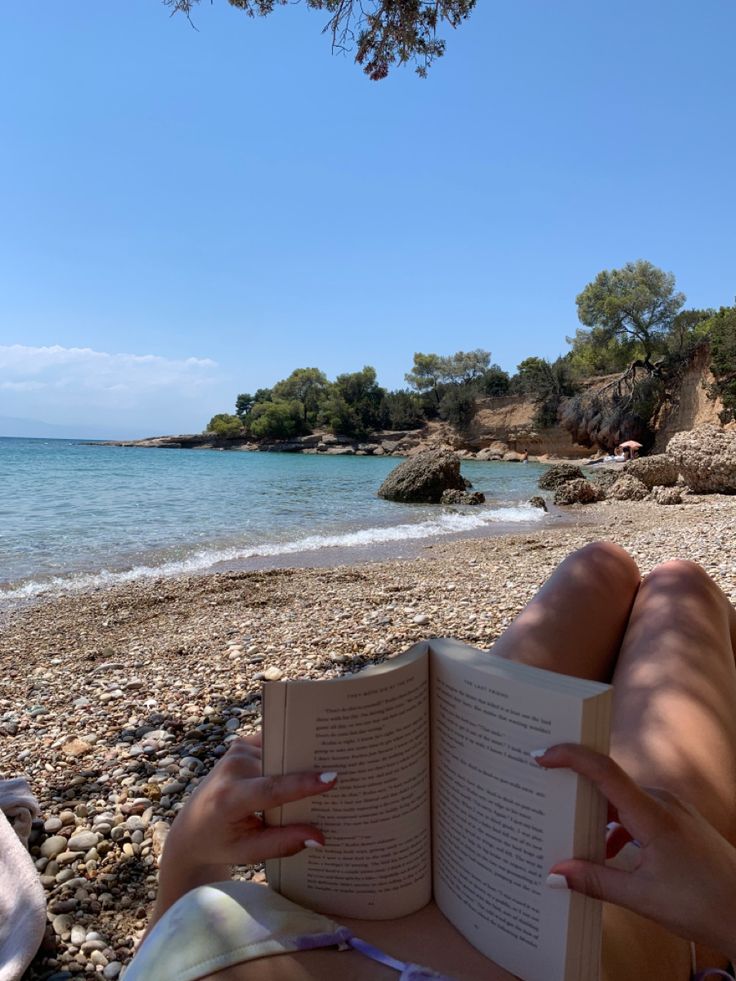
(77, 516)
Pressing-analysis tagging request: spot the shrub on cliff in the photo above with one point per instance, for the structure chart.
(722, 335)
(276, 420)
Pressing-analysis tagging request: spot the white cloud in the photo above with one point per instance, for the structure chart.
(77, 384)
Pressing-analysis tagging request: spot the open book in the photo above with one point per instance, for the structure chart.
(438, 797)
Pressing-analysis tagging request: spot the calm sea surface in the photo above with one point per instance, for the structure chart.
(74, 515)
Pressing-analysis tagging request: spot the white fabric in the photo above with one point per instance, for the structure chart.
(22, 898)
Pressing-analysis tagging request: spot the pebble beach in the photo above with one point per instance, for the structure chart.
(116, 702)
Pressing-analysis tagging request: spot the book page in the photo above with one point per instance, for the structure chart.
(499, 820)
(373, 730)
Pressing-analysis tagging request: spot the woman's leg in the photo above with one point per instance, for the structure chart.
(674, 726)
(576, 622)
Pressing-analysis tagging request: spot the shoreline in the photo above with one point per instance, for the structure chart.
(116, 702)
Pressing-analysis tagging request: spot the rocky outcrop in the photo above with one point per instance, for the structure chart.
(423, 478)
(561, 473)
(462, 497)
(604, 477)
(578, 491)
(628, 488)
(659, 470)
(706, 458)
(538, 502)
(666, 495)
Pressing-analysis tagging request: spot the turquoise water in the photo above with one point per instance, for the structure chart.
(74, 515)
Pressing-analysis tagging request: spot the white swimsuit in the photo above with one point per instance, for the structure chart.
(227, 923)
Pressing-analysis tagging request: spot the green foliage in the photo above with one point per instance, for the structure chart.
(427, 373)
(457, 405)
(721, 331)
(305, 385)
(402, 410)
(591, 355)
(465, 367)
(280, 419)
(494, 381)
(686, 333)
(385, 32)
(354, 404)
(225, 426)
(637, 302)
(547, 383)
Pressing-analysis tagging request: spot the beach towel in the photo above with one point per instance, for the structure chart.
(22, 898)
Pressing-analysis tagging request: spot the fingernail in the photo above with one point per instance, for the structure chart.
(557, 881)
(312, 843)
(328, 777)
(537, 753)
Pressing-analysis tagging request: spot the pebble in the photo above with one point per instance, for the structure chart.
(53, 846)
(273, 674)
(83, 841)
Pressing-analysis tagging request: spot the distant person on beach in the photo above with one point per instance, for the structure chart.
(667, 644)
(525, 456)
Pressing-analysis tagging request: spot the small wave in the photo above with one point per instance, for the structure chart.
(447, 523)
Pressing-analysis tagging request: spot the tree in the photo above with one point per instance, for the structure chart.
(306, 385)
(276, 420)
(464, 367)
(402, 410)
(494, 381)
(636, 302)
(722, 335)
(225, 426)
(426, 374)
(547, 384)
(354, 405)
(243, 404)
(383, 32)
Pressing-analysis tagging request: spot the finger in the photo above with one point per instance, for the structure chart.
(254, 738)
(616, 838)
(279, 843)
(641, 814)
(599, 882)
(262, 793)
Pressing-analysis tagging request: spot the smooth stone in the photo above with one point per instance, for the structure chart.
(83, 841)
(53, 824)
(273, 674)
(421, 619)
(53, 846)
(112, 970)
(61, 924)
(79, 935)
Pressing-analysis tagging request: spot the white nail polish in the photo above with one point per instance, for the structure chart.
(311, 843)
(557, 881)
(328, 777)
(536, 753)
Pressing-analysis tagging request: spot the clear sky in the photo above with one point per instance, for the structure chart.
(189, 214)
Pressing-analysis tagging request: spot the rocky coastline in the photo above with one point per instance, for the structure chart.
(117, 702)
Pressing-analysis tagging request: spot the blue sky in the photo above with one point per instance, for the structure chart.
(189, 214)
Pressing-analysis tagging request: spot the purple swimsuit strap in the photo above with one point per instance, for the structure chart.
(409, 972)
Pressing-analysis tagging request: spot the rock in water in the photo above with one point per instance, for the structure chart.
(559, 474)
(628, 488)
(706, 458)
(462, 497)
(659, 470)
(538, 502)
(578, 491)
(423, 478)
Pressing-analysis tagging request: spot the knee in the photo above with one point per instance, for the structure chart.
(685, 576)
(611, 562)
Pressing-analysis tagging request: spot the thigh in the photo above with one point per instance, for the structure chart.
(674, 726)
(425, 937)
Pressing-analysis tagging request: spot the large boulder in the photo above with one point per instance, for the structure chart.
(628, 488)
(560, 473)
(423, 478)
(578, 491)
(659, 470)
(706, 458)
(462, 497)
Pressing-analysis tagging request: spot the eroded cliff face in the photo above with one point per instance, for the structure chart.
(691, 407)
(510, 419)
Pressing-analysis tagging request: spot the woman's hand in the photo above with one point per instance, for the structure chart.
(221, 823)
(685, 877)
